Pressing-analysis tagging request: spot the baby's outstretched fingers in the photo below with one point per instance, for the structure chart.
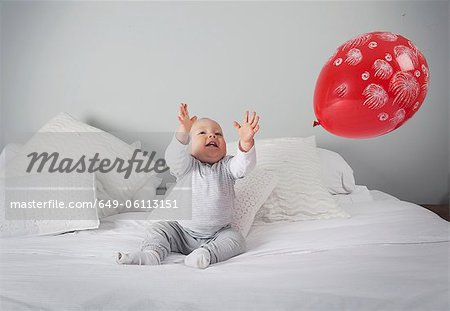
(246, 117)
(255, 121)
(186, 112)
(182, 111)
(252, 117)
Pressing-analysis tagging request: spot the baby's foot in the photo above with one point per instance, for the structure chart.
(138, 258)
(199, 258)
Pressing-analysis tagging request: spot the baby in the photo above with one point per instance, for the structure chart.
(208, 238)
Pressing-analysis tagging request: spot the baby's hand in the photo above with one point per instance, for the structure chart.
(184, 120)
(247, 130)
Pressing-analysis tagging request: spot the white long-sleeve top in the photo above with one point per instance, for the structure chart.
(212, 185)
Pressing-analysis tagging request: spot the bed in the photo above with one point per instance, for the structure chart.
(390, 255)
(315, 239)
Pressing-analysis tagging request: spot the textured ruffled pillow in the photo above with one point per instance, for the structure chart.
(251, 192)
(300, 193)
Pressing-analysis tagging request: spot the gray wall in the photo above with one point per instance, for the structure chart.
(126, 66)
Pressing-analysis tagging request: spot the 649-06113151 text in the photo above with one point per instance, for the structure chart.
(136, 204)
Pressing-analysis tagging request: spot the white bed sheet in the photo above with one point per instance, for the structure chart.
(390, 255)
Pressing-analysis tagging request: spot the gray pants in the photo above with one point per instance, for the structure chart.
(169, 236)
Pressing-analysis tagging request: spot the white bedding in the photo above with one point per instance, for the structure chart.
(390, 255)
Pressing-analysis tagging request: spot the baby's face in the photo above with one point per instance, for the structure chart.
(208, 144)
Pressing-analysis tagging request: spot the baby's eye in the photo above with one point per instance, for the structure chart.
(219, 134)
(202, 132)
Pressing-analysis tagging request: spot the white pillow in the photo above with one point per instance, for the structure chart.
(169, 187)
(251, 192)
(104, 208)
(145, 195)
(73, 139)
(76, 188)
(299, 194)
(9, 152)
(336, 174)
(142, 198)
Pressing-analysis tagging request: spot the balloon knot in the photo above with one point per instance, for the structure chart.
(315, 123)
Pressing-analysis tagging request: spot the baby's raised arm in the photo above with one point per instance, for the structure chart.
(245, 159)
(177, 154)
(185, 124)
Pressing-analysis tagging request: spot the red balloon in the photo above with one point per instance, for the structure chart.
(371, 85)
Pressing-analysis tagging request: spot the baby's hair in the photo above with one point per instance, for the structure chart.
(204, 118)
(209, 119)
(199, 119)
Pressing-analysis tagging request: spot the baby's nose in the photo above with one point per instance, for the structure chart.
(212, 135)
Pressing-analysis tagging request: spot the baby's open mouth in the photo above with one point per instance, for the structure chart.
(212, 144)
